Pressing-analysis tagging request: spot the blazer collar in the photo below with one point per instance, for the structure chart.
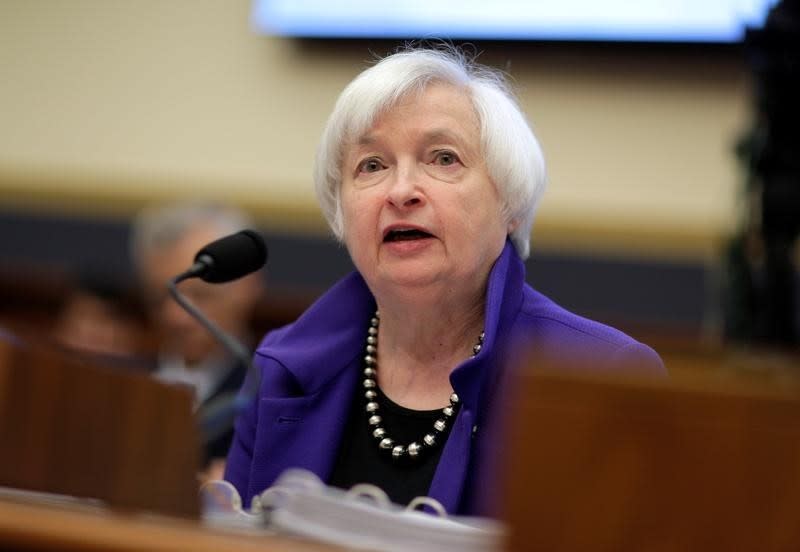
(504, 294)
(327, 337)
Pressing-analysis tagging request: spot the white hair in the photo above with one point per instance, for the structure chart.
(512, 153)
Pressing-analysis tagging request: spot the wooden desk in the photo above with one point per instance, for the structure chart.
(30, 524)
(74, 427)
(693, 463)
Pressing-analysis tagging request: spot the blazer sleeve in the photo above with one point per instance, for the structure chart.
(240, 455)
(638, 358)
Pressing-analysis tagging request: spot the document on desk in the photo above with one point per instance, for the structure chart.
(361, 518)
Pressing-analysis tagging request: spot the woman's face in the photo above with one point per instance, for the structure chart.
(419, 208)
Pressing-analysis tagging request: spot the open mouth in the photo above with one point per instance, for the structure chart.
(405, 235)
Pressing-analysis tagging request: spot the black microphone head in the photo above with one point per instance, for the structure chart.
(232, 257)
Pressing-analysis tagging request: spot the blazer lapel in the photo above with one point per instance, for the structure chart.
(451, 473)
(302, 432)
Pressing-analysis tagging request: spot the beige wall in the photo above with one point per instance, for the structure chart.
(106, 104)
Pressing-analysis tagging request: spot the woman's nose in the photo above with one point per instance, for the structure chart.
(405, 190)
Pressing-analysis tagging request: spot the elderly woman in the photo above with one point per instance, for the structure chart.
(430, 175)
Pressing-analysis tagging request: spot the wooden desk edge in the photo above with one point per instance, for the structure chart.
(26, 524)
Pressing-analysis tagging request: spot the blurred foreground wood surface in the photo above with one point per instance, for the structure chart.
(701, 461)
(71, 427)
(28, 524)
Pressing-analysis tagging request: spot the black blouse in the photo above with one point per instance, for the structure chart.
(361, 461)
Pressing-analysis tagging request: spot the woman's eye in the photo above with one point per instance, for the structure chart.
(445, 158)
(370, 165)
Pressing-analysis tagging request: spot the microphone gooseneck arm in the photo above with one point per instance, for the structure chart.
(233, 345)
(218, 416)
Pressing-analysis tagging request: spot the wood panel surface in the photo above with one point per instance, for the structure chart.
(28, 525)
(691, 463)
(75, 428)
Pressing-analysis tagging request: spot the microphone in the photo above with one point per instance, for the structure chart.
(224, 260)
(229, 258)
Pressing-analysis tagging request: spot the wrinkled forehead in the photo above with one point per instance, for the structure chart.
(359, 126)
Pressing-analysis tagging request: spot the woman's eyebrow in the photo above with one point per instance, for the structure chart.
(366, 140)
(448, 136)
(441, 135)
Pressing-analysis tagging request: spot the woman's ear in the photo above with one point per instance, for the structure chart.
(512, 225)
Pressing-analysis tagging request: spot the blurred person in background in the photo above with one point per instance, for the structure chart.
(100, 318)
(164, 242)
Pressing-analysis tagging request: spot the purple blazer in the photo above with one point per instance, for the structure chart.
(311, 370)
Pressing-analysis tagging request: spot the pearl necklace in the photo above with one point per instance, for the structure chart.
(413, 450)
